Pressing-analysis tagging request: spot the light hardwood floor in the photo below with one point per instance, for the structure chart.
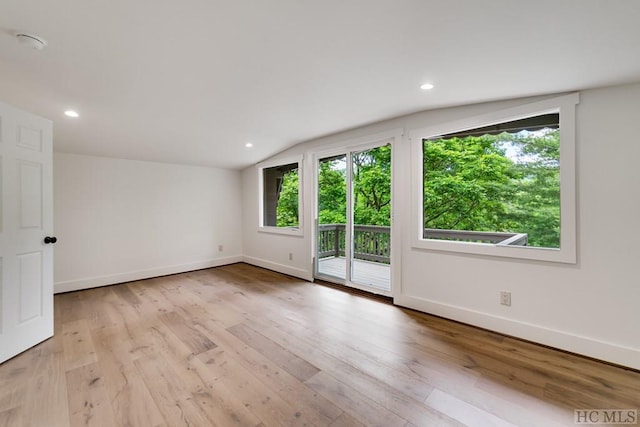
(242, 346)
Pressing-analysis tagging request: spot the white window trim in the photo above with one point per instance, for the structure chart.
(566, 106)
(290, 231)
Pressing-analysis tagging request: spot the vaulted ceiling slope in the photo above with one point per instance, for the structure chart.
(192, 81)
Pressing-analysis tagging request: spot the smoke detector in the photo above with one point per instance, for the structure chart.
(31, 41)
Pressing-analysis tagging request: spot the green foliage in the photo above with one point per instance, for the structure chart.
(332, 194)
(536, 207)
(372, 186)
(472, 184)
(506, 182)
(466, 181)
(287, 209)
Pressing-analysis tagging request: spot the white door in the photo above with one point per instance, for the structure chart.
(26, 218)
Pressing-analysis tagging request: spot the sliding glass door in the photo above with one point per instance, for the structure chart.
(371, 217)
(353, 232)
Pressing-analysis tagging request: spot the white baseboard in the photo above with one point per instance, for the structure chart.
(112, 279)
(610, 352)
(280, 268)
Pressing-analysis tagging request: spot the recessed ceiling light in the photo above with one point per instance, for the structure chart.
(426, 86)
(71, 113)
(248, 145)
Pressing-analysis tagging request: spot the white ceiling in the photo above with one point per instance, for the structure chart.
(191, 81)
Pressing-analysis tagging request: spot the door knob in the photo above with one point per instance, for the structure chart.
(48, 240)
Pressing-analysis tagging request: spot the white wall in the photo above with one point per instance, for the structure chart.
(591, 307)
(120, 220)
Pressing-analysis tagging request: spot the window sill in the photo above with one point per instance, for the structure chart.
(287, 231)
(563, 255)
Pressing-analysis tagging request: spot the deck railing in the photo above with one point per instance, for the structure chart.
(373, 242)
(370, 242)
(502, 239)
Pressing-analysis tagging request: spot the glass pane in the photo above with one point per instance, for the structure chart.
(372, 217)
(280, 196)
(332, 216)
(493, 186)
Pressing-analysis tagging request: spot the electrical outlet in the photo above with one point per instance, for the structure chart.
(505, 298)
(290, 256)
(220, 248)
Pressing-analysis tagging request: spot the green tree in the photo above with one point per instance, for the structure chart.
(535, 209)
(372, 186)
(466, 184)
(332, 192)
(506, 182)
(287, 209)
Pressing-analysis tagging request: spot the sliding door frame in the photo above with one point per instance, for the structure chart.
(347, 149)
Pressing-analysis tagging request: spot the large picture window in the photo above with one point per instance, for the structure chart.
(500, 185)
(280, 197)
(497, 184)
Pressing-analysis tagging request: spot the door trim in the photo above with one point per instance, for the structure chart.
(393, 137)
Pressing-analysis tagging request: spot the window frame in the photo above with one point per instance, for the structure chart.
(566, 106)
(291, 231)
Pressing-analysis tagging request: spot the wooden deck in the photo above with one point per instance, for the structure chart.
(364, 272)
(242, 346)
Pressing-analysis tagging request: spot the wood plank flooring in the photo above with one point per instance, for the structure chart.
(243, 346)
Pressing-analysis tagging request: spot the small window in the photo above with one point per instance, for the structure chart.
(280, 197)
(500, 185)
